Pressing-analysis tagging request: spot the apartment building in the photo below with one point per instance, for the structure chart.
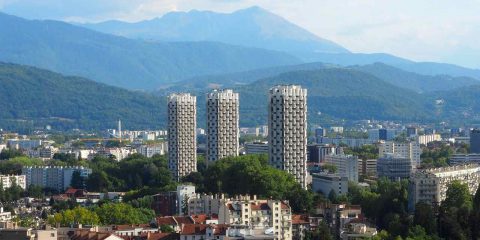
(410, 150)
(222, 125)
(10, 180)
(430, 185)
(287, 124)
(270, 217)
(182, 137)
(54, 177)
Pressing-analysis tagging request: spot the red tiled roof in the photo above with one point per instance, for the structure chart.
(200, 229)
(166, 221)
(71, 191)
(157, 236)
(300, 219)
(260, 206)
(199, 219)
(184, 220)
(285, 206)
(126, 226)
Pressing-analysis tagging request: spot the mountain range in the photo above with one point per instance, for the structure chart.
(34, 97)
(119, 61)
(257, 27)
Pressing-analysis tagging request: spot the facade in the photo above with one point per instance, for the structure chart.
(205, 204)
(394, 167)
(347, 165)
(325, 183)
(382, 134)
(184, 193)
(317, 152)
(428, 138)
(367, 167)
(222, 125)
(410, 150)
(256, 148)
(150, 150)
(58, 178)
(182, 138)
(165, 204)
(412, 131)
(9, 180)
(460, 159)
(430, 185)
(263, 217)
(351, 142)
(288, 130)
(24, 144)
(320, 132)
(475, 141)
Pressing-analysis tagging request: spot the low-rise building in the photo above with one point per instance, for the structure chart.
(428, 138)
(461, 159)
(430, 185)
(325, 183)
(271, 217)
(256, 148)
(152, 149)
(10, 180)
(55, 177)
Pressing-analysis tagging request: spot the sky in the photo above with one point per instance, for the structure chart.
(421, 30)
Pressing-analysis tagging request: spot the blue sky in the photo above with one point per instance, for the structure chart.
(423, 30)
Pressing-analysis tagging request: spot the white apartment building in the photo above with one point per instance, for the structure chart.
(182, 138)
(222, 125)
(152, 149)
(55, 177)
(430, 185)
(351, 142)
(9, 180)
(287, 124)
(184, 193)
(428, 138)
(347, 165)
(410, 150)
(205, 204)
(271, 217)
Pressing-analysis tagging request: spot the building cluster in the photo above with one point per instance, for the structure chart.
(287, 130)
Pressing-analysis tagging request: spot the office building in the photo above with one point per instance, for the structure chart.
(461, 159)
(55, 177)
(267, 217)
(475, 141)
(410, 150)
(347, 165)
(430, 185)
(288, 130)
(367, 167)
(394, 167)
(10, 180)
(351, 142)
(320, 132)
(412, 131)
(317, 152)
(382, 134)
(182, 138)
(256, 148)
(325, 183)
(222, 125)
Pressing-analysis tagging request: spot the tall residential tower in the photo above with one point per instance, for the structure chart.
(182, 139)
(287, 124)
(222, 125)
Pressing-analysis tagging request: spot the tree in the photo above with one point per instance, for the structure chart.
(425, 217)
(77, 180)
(455, 211)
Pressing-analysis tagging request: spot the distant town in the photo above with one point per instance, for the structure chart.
(283, 180)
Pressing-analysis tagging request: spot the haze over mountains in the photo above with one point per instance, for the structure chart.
(257, 27)
(257, 51)
(119, 61)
